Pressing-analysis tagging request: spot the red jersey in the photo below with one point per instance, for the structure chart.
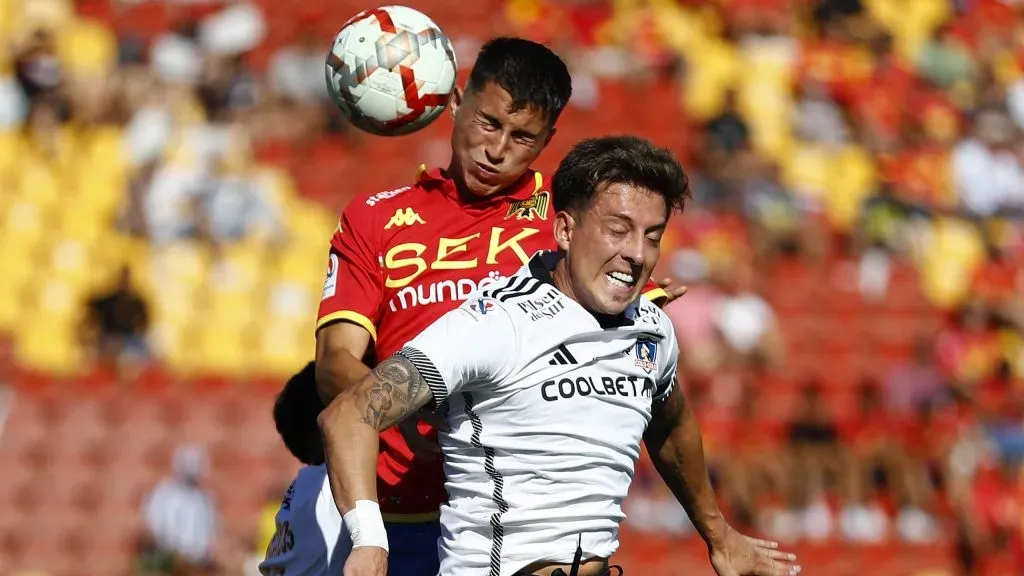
(401, 259)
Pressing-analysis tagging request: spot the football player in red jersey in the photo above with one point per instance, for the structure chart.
(401, 259)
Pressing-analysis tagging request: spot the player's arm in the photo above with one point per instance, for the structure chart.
(464, 347)
(674, 442)
(352, 295)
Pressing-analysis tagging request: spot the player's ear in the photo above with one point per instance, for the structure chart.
(564, 223)
(455, 101)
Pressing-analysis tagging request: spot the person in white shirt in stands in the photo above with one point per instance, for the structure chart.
(550, 381)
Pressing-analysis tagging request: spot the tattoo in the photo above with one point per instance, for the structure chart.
(396, 390)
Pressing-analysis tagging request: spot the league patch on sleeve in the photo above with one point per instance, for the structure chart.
(331, 283)
(482, 306)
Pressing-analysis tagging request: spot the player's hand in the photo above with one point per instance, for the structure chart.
(672, 293)
(366, 561)
(739, 555)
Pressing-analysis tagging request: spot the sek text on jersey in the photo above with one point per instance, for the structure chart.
(404, 263)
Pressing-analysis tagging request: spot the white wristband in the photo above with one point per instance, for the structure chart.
(366, 526)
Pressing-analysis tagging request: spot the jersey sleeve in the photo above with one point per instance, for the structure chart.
(354, 288)
(655, 294)
(668, 370)
(473, 345)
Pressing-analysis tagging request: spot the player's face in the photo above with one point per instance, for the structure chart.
(492, 145)
(612, 248)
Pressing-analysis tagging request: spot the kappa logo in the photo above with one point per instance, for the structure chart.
(646, 355)
(404, 217)
(534, 206)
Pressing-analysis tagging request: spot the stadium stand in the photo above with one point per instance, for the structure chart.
(856, 235)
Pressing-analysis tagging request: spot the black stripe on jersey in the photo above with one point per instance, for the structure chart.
(497, 529)
(515, 285)
(428, 372)
(562, 357)
(530, 288)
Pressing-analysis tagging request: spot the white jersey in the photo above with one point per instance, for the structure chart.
(310, 539)
(546, 409)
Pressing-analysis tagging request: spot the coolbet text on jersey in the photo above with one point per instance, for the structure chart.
(546, 407)
(399, 260)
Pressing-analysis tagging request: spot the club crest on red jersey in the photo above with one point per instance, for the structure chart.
(534, 206)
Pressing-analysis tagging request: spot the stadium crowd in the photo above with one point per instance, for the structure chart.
(854, 331)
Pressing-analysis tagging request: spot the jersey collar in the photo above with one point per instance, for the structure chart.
(541, 265)
(529, 184)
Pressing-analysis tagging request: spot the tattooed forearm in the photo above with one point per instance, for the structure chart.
(391, 392)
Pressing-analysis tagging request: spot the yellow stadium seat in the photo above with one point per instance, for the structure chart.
(172, 303)
(301, 265)
(185, 263)
(948, 260)
(87, 47)
(83, 225)
(680, 29)
(49, 14)
(11, 305)
(294, 301)
(310, 224)
(282, 347)
(56, 300)
(239, 269)
(167, 340)
(910, 21)
(38, 182)
(48, 346)
(70, 260)
(10, 145)
(236, 308)
(221, 350)
(852, 179)
(715, 68)
(24, 223)
(805, 169)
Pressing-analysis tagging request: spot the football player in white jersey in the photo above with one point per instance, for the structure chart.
(309, 537)
(550, 381)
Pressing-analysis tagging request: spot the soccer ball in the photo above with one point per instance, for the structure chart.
(390, 70)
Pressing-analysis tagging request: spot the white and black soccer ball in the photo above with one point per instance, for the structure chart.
(390, 70)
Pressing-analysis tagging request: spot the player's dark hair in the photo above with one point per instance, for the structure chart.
(533, 75)
(617, 160)
(295, 413)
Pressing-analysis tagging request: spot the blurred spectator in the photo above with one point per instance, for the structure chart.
(817, 118)
(970, 349)
(988, 173)
(296, 70)
(779, 220)
(180, 514)
(36, 66)
(727, 133)
(945, 61)
(914, 383)
(700, 343)
(234, 206)
(117, 322)
(746, 320)
(814, 440)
